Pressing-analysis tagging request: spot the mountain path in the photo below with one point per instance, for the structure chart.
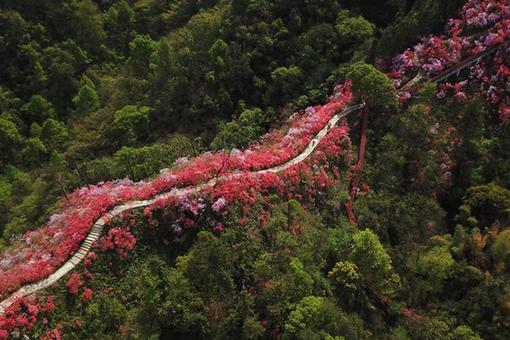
(98, 226)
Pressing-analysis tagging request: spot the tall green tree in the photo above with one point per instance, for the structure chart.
(373, 260)
(87, 99)
(140, 52)
(372, 86)
(89, 27)
(38, 109)
(130, 124)
(54, 134)
(10, 139)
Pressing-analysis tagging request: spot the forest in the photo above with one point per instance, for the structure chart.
(255, 169)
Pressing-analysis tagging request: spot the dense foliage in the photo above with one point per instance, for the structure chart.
(410, 239)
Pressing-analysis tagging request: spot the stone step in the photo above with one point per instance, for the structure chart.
(81, 252)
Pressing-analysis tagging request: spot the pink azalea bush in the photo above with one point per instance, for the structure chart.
(23, 314)
(74, 283)
(492, 77)
(87, 295)
(479, 14)
(118, 239)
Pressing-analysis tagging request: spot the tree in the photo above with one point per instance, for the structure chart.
(287, 81)
(424, 17)
(103, 304)
(89, 26)
(10, 139)
(372, 86)
(319, 50)
(437, 264)
(240, 132)
(62, 62)
(34, 152)
(347, 281)
(119, 21)
(5, 198)
(399, 217)
(16, 226)
(353, 30)
(318, 318)
(501, 248)
(373, 261)
(303, 315)
(163, 66)
(181, 310)
(218, 55)
(141, 49)
(54, 134)
(38, 109)
(239, 7)
(130, 124)
(488, 203)
(208, 251)
(87, 99)
(463, 332)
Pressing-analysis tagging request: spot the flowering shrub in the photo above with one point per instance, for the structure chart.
(219, 204)
(87, 295)
(118, 239)
(455, 89)
(493, 78)
(74, 283)
(479, 14)
(23, 314)
(91, 256)
(53, 334)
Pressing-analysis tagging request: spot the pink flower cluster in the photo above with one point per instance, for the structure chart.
(479, 14)
(74, 283)
(493, 78)
(87, 295)
(431, 56)
(119, 239)
(23, 314)
(457, 89)
(304, 181)
(437, 53)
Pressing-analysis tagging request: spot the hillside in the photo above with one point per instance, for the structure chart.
(356, 187)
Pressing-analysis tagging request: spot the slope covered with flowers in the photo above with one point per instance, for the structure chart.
(205, 209)
(482, 25)
(39, 253)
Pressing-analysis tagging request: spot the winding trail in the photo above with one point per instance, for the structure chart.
(98, 226)
(414, 83)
